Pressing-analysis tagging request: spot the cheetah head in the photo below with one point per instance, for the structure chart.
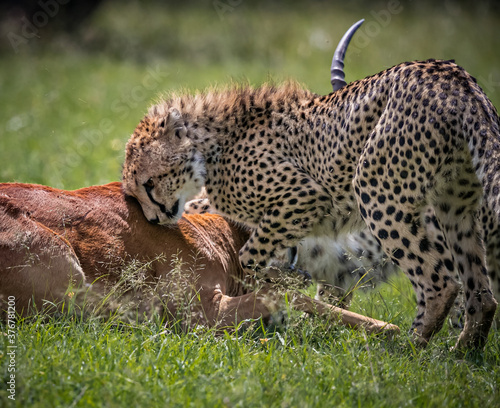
(162, 167)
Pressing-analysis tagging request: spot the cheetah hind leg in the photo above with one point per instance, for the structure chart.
(395, 218)
(491, 238)
(442, 298)
(427, 264)
(468, 252)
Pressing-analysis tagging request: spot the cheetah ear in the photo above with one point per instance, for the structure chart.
(175, 122)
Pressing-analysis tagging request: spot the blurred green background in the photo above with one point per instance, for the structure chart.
(76, 77)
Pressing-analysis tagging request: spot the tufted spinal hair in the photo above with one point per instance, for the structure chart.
(235, 97)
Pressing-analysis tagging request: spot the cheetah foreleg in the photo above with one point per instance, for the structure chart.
(282, 227)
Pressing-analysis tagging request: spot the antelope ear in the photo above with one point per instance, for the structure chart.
(176, 123)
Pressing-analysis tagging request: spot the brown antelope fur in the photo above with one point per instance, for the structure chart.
(51, 239)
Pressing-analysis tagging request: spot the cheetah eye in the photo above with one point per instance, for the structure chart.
(149, 184)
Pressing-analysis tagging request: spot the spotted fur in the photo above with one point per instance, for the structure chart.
(292, 164)
(354, 262)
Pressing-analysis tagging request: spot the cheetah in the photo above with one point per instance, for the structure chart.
(357, 260)
(290, 164)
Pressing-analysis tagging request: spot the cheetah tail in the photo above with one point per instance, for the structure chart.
(484, 145)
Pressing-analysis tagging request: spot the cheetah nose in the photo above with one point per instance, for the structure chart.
(154, 221)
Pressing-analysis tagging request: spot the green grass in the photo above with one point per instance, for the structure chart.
(69, 103)
(66, 361)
